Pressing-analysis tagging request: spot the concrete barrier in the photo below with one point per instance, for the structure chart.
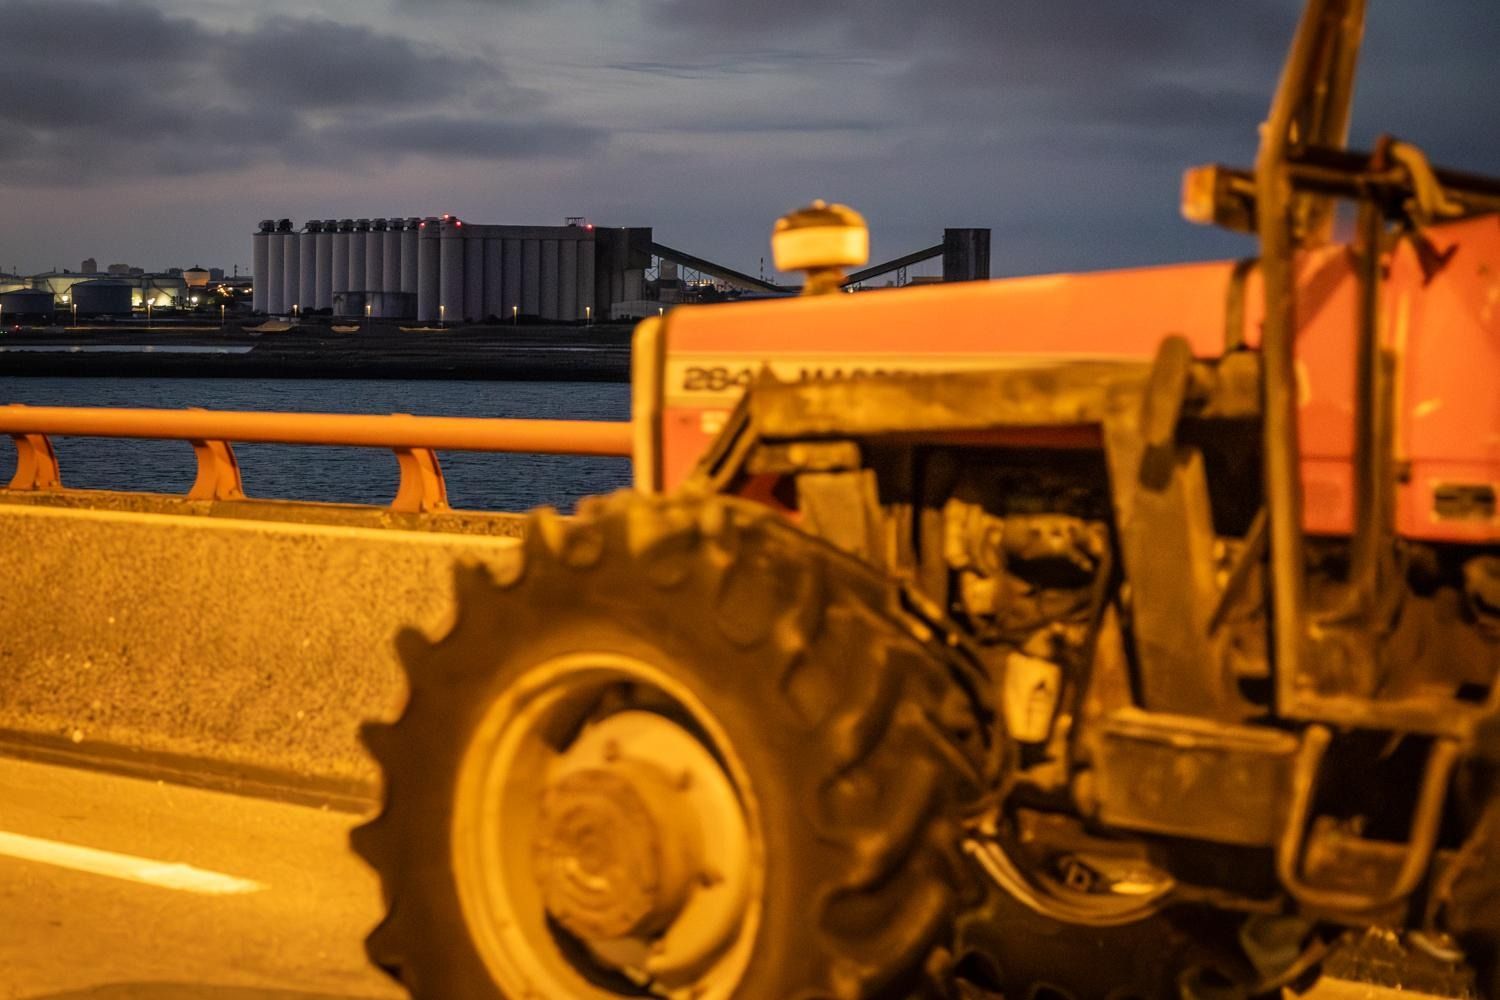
(251, 639)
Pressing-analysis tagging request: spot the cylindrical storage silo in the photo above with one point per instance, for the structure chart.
(307, 282)
(292, 258)
(276, 269)
(323, 271)
(28, 304)
(494, 277)
(451, 281)
(409, 267)
(375, 256)
(429, 270)
(358, 248)
(339, 272)
(474, 277)
(531, 277)
(588, 309)
(567, 282)
(261, 255)
(512, 277)
(102, 297)
(551, 280)
(391, 280)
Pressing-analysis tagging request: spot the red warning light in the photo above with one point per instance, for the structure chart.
(589, 227)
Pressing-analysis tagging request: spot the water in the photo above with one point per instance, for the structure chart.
(346, 475)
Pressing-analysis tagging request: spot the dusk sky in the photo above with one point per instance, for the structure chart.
(159, 133)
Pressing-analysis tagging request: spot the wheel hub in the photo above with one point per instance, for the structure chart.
(610, 860)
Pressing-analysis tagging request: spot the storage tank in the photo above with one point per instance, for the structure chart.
(307, 280)
(391, 280)
(357, 252)
(323, 271)
(409, 236)
(451, 293)
(261, 254)
(276, 268)
(26, 304)
(339, 273)
(375, 257)
(429, 270)
(292, 260)
(104, 297)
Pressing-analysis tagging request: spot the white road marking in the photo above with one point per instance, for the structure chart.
(163, 874)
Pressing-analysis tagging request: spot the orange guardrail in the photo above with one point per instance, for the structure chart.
(415, 441)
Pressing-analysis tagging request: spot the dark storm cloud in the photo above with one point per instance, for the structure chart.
(92, 90)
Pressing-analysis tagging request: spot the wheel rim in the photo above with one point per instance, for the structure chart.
(607, 853)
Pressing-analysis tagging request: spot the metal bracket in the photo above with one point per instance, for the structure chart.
(422, 489)
(218, 472)
(36, 463)
(1426, 819)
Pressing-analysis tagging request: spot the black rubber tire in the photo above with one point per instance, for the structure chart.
(856, 732)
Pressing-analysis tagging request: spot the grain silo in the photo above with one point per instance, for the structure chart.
(409, 235)
(391, 280)
(323, 270)
(375, 257)
(339, 272)
(451, 268)
(262, 263)
(307, 280)
(358, 249)
(429, 270)
(276, 267)
(292, 262)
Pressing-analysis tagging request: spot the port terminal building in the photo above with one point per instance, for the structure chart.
(443, 269)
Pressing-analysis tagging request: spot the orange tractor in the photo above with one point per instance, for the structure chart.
(1124, 635)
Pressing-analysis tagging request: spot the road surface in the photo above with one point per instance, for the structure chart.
(116, 888)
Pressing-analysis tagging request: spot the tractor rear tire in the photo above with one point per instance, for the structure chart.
(849, 738)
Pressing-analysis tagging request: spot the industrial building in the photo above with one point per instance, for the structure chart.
(96, 295)
(443, 269)
(446, 270)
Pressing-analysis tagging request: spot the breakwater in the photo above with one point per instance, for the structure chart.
(502, 353)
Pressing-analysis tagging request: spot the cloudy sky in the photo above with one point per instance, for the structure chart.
(158, 132)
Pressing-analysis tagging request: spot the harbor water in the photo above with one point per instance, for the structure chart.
(343, 475)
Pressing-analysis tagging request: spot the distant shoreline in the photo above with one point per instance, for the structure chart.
(500, 353)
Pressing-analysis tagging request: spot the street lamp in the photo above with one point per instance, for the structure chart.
(221, 315)
(75, 315)
(588, 315)
(515, 315)
(442, 315)
(368, 310)
(149, 303)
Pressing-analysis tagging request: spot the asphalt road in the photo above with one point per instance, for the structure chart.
(114, 888)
